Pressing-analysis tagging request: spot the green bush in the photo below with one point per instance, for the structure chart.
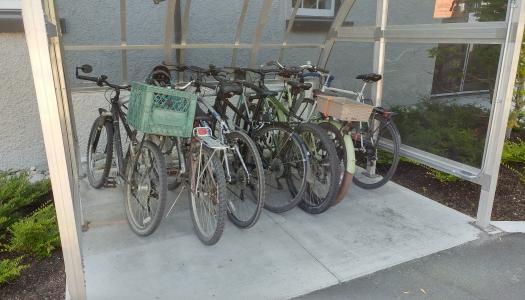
(10, 269)
(446, 129)
(514, 152)
(35, 235)
(442, 176)
(17, 194)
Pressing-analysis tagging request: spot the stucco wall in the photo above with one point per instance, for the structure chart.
(21, 143)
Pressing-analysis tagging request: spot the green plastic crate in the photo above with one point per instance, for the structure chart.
(161, 111)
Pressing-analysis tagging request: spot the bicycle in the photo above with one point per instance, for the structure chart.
(322, 179)
(370, 150)
(240, 159)
(142, 169)
(283, 154)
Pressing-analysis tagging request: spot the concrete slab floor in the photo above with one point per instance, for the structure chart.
(282, 256)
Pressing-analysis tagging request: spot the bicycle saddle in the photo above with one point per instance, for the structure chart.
(371, 77)
(264, 92)
(230, 89)
(299, 85)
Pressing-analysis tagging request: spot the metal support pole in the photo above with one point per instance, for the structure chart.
(123, 41)
(168, 31)
(379, 50)
(60, 158)
(185, 25)
(289, 28)
(263, 19)
(501, 109)
(238, 32)
(339, 19)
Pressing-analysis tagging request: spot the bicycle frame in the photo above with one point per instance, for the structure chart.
(115, 116)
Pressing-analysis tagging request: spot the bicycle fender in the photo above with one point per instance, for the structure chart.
(350, 154)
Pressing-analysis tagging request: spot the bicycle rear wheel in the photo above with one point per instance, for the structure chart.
(245, 195)
(377, 147)
(99, 152)
(145, 188)
(324, 175)
(207, 194)
(285, 162)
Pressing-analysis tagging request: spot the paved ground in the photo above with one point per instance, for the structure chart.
(489, 268)
(282, 256)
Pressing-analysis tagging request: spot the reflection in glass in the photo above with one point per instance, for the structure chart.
(442, 94)
(404, 12)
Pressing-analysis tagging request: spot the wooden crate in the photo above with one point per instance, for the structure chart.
(343, 108)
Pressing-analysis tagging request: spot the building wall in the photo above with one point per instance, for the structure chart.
(21, 143)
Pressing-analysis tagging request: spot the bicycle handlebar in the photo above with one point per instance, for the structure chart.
(101, 80)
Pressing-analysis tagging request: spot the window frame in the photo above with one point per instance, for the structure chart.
(11, 16)
(10, 5)
(312, 12)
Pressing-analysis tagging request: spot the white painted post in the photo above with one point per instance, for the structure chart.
(379, 50)
(55, 135)
(500, 114)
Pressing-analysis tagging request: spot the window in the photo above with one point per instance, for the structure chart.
(10, 5)
(314, 8)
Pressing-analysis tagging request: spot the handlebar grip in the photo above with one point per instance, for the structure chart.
(89, 78)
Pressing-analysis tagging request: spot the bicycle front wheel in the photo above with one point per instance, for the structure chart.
(285, 163)
(207, 194)
(377, 151)
(324, 175)
(99, 152)
(145, 188)
(245, 196)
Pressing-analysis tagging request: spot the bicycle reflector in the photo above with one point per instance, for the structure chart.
(201, 131)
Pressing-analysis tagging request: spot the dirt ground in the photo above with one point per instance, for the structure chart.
(41, 280)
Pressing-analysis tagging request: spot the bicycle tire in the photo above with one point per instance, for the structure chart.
(396, 143)
(93, 140)
(324, 167)
(337, 137)
(253, 157)
(281, 167)
(217, 173)
(161, 189)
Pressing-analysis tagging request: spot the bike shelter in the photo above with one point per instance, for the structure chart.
(453, 55)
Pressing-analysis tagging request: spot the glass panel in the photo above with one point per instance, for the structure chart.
(251, 20)
(103, 62)
(213, 21)
(363, 13)
(299, 56)
(273, 32)
(349, 59)
(266, 55)
(404, 12)
(309, 4)
(204, 57)
(141, 62)
(443, 96)
(90, 22)
(145, 22)
(325, 4)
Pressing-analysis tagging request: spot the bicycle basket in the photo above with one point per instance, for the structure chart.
(162, 111)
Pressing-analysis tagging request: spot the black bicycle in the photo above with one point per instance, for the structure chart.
(240, 158)
(142, 169)
(283, 154)
(322, 177)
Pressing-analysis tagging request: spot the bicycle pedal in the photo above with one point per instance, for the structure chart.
(110, 182)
